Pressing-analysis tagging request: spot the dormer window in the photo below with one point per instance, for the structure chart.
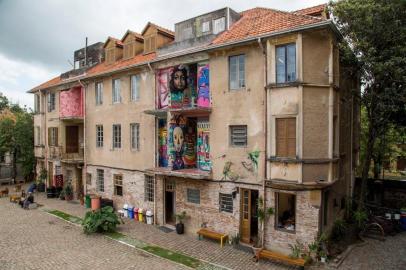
(149, 44)
(206, 26)
(219, 25)
(110, 56)
(129, 49)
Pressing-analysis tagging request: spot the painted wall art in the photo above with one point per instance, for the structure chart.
(176, 142)
(71, 103)
(163, 89)
(203, 94)
(203, 145)
(162, 143)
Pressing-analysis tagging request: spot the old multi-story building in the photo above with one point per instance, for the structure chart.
(229, 109)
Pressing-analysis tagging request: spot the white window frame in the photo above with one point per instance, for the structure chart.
(205, 27)
(51, 102)
(116, 91)
(135, 136)
(219, 25)
(116, 142)
(135, 87)
(99, 136)
(238, 69)
(99, 93)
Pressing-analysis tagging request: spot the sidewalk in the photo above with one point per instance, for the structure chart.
(205, 250)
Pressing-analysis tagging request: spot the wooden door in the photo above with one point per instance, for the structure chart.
(245, 215)
(72, 139)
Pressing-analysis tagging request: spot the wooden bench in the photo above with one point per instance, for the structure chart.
(272, 255)
(213, 235)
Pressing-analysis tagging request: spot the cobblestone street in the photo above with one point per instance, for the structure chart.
(36, 240)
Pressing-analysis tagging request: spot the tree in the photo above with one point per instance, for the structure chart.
(375, 32)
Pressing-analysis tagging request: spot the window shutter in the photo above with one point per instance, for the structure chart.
(291, 137)
(56, 137)
(286, 137)
(49, 137)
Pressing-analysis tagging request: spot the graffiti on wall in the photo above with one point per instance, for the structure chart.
(178, 84)
(163, 90)
(176, 142)
(203, 95)
(203, 145)
(162, 146)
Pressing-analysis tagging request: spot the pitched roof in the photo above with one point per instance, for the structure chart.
(137, 36)
(50, 83)
(115, 40)
(259, 21)
(312, 11)
(159, 28)
(103, 68)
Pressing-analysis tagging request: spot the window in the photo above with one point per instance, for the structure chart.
(187, 33)
(37, 136)
(285, 211)
(53, 136)
(99, 135)
(193, 195)
(219, 25)
(149, 188)
(205, 27)
(238, 136)
(286, 137)
(116, 136)
(149, 44)
(51, 102)
(226, 202)
(135, 136)
(110, 56)
(100, 180)
(118, 184)
(286, 63)
(99, 93)
(129, 49)
(135, 87)
(237, 72)
(116, 91)
(325, 207)
(36, 103)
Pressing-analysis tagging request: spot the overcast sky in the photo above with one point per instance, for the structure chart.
(38, 37)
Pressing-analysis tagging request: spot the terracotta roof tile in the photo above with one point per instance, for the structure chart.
(117, 41)
(137, 35)
(103, 67)
(160, 28)
(259, 21)
(312, 11)
(47, 84)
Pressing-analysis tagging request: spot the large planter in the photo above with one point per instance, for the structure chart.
(95, 203)
(180, 228)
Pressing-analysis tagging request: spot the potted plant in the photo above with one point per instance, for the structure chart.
(68, 191)
(62, 195)
(41, 180)
(323, 256)
(263, 214)
(180, 227)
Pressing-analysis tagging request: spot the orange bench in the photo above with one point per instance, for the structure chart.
(272, 255)
(213, 235)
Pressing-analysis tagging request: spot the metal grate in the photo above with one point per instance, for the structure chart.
(226, 202)
(238, 135)
(100, 180)
(99, 136)
(149, 188)
(193, 195)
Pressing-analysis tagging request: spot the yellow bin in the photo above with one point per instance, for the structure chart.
(141, 215)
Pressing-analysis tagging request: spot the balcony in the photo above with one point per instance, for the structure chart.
(182, 173)
(71, 104)
(39, 151)
(58, 152)
(54, 152)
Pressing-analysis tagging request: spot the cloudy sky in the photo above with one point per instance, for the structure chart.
(38, 37)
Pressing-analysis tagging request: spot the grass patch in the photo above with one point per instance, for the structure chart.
(66, 216)
(173, 256)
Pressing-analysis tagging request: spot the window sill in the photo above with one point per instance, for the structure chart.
(237, 89)
(285, 230)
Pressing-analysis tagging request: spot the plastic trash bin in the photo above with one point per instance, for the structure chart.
(140, 215)
(95, 202)
(130, 212)
(135, 214)
(150, 217)
(88, 201)
(125, 209)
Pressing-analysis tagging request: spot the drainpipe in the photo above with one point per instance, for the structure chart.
(84, 135)
(265, 129)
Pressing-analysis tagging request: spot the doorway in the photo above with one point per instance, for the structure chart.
(72, 139)
(249, 215)
(50, 173)
(170, 202)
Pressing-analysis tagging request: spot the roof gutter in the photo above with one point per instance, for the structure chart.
(214, 47)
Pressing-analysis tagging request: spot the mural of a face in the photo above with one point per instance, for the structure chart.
(178, 139)
(178, 82)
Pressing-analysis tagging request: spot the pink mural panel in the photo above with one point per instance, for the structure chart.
(71, 103)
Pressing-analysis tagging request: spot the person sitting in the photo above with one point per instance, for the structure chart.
(25, 202)
(32, 188)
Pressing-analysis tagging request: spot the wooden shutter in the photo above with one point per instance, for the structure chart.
(49, 137)
(56, 136)
(72, 139)
(286, 137)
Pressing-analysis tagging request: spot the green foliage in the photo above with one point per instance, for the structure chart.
(339, 229)
(297, 249)
(68, 189)
(254, 156)
(102, 220)
(235, 240)
(42, 176)
(360, 217)
(181, 217)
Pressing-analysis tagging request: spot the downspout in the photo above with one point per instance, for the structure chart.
(265, 130)
(84, 136)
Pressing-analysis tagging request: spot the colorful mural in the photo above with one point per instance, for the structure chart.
(177, 85)
(163, 91)
(71, 103)
(189, 156)
(176, 142)
(203, 94)
(162, 145)
(203, 145)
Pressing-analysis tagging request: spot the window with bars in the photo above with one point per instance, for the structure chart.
(286, 137)
(135, 87)
(100, 180)
(193, 195)
(51, 102)
(116, 136)
(53, 136)
(99, 136)
(237, 72)
(149, 188)
(135, 136)
(99, 93)
(238, 136)
(116, 91)
(118, 184)
(226, 202)
(286, 63)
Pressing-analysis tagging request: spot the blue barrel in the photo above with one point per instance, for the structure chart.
(130, 212)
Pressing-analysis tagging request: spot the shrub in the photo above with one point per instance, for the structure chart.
(297, 249)
(102, 220)
(338, 230)
(360, 217)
